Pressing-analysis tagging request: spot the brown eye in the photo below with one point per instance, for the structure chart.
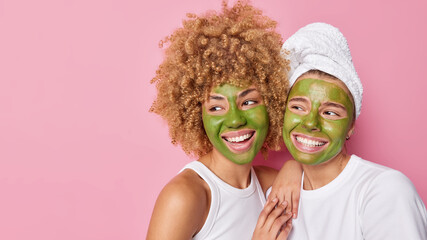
(297, 108)
(330, 113)
(249, 102)
(214, 109)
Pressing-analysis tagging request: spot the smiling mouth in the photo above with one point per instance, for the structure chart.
(308, 144)
(239, 141)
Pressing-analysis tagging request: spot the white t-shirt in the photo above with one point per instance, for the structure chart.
(366, 201)
(233, 212)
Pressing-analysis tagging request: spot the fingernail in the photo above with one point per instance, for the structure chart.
(284, 204)
(274, 200)
(294, 216)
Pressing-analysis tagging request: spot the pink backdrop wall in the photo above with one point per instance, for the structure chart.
(81, 157)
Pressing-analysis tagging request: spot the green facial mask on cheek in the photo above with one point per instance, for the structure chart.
(249, 121)
(313, 137)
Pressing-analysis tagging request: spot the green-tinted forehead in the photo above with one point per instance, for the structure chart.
(318, 90)
(227, 90)
(232, 92)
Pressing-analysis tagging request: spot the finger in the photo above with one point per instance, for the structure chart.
(281, 196)
(288, 198)
(266, 212)
(279, 210)
(295, 204)
(279, 223)
(284, 234)
(272, 195)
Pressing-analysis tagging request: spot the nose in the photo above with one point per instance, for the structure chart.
(235, 118)
(311, 122)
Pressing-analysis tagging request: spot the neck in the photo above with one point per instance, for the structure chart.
(234, 174)
(317, 176)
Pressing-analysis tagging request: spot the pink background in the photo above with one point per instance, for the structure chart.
(81, 157)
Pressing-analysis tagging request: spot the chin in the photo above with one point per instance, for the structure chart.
(242, 161)
(307, 159)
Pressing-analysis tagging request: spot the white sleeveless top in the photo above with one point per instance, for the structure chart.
(233, 212)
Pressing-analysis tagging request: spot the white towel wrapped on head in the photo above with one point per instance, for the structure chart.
(320, 46)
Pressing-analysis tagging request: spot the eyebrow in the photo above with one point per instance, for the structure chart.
(330, 104)
(246, 92)
(216, 97)
(298, 99)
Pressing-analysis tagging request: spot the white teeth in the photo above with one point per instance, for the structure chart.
(308, 142)
(239, 138)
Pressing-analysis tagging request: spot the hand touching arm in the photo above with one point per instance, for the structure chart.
(287, 186)
(272, 222)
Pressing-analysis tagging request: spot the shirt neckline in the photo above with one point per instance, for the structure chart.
(334, 184)
(245, 192)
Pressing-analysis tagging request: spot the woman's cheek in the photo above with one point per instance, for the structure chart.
(335, 129)
(257, 116)
(212, 124)
(291, 120)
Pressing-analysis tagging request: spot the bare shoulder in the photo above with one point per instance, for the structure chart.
(187, 184)
(186, 189)
(181, 207)
(266, 176)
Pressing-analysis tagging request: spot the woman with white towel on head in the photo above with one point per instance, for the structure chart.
(342, 196)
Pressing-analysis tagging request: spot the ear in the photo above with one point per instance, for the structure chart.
(350, 130)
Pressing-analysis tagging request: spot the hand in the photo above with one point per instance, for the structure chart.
(287, 186)
(272, 222)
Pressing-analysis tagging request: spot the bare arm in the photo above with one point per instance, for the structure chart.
(180, 209)
(266, 176)
(287, 186)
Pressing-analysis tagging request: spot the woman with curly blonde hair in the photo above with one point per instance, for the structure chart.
(222, 89)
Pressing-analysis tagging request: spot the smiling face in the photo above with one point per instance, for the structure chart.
(318, 118)
(236, 122)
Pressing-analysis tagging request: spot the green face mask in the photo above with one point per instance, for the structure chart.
(236, 122)
(318, 118)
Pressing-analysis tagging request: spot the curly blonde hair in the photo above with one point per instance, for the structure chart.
(237, 46)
